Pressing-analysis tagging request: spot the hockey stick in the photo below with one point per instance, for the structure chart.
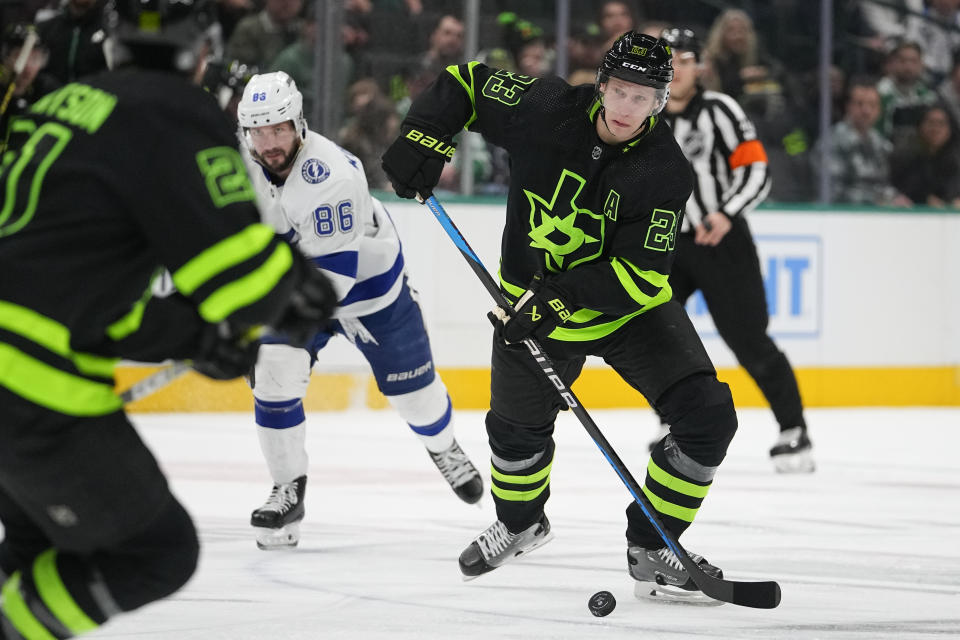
(18, 66)
(155, 382)
(761, 595)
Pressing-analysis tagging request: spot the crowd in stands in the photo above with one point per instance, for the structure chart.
(894, 83)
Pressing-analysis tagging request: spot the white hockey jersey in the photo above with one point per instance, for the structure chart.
(325, 208)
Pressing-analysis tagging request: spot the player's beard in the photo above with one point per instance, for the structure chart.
(285, 162)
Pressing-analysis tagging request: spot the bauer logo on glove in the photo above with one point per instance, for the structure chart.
(415, 161)
(538, 312)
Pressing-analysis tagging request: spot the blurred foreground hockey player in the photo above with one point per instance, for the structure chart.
(107, 183)
(597, 191)
(315, 194)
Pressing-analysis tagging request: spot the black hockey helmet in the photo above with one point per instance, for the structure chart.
(639, 58)
(161, 33)
(682, 40)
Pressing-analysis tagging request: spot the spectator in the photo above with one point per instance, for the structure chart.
(888, 20)
(74, 37)
(369, 133)
(260, 37)
(30, 84)
(526, 45)
(522, 48)
(584, 48)
(903, 93)
(859, 161)
(949, 90)
(446, 48)
(939, 31)
(297, 60)
(616, 17)
(736, 64)
(886, 24)
(446, 45)
(926, 167)
(231, 12)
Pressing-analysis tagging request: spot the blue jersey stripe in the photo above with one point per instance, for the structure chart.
(343, 263)
(374, 287)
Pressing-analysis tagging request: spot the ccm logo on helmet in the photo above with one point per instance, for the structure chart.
(431, 143)
(635, 67)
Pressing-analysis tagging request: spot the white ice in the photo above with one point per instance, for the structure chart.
(867, 547)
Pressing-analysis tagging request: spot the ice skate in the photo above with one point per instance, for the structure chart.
(497, 546)
(277, 522)
(661, 434)
(793, 452)
(660, 576)
(459, 472)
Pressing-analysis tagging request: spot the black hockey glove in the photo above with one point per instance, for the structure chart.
(539, 311)
(223, 355)
(415, 160)
(310, 306)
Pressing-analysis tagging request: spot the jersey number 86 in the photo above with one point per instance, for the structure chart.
(328, 220)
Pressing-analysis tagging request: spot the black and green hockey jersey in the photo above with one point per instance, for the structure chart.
(105, 184)
(598, 220)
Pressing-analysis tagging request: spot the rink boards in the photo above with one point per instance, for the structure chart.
(865, 303)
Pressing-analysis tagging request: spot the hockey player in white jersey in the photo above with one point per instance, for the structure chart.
(315, 194)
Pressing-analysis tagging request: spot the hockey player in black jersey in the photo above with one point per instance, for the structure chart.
(107, 183)
(715, 250)
(597, 191)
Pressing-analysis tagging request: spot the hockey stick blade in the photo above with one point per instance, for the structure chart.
(760, 595)
(155, 382)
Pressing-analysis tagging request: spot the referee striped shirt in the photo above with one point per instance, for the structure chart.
(729, 162)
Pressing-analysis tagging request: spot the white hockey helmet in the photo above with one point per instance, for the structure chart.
(271, 98)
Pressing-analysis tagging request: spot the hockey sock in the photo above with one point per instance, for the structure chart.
(282, 433)
(429, 414)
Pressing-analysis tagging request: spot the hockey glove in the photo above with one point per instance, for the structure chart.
(223, 355)
(415, 160)
(310, 306)
(539, 311)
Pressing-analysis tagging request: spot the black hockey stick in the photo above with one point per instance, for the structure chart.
(155, 382)
(761, 595)
(160, 379)
(18, 65)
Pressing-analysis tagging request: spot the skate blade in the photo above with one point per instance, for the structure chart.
(800, 462)
(547, 538)
(663, 594)
(285, 537)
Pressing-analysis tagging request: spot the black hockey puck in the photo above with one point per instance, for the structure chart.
(601, 603)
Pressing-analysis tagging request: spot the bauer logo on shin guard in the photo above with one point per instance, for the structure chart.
(444, 149)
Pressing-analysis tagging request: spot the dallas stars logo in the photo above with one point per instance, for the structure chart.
(559, 235)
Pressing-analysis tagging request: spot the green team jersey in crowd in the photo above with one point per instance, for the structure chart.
(106, 184)
(598, 220)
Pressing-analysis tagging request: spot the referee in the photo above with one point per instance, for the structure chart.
(715, 252)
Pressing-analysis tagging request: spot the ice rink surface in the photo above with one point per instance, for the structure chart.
(867, 547)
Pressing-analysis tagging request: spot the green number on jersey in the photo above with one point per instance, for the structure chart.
(506, 87)
(30, 164)
(662, 234)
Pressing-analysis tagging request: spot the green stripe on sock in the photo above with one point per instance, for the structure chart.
(15, 609)
(55, 595)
